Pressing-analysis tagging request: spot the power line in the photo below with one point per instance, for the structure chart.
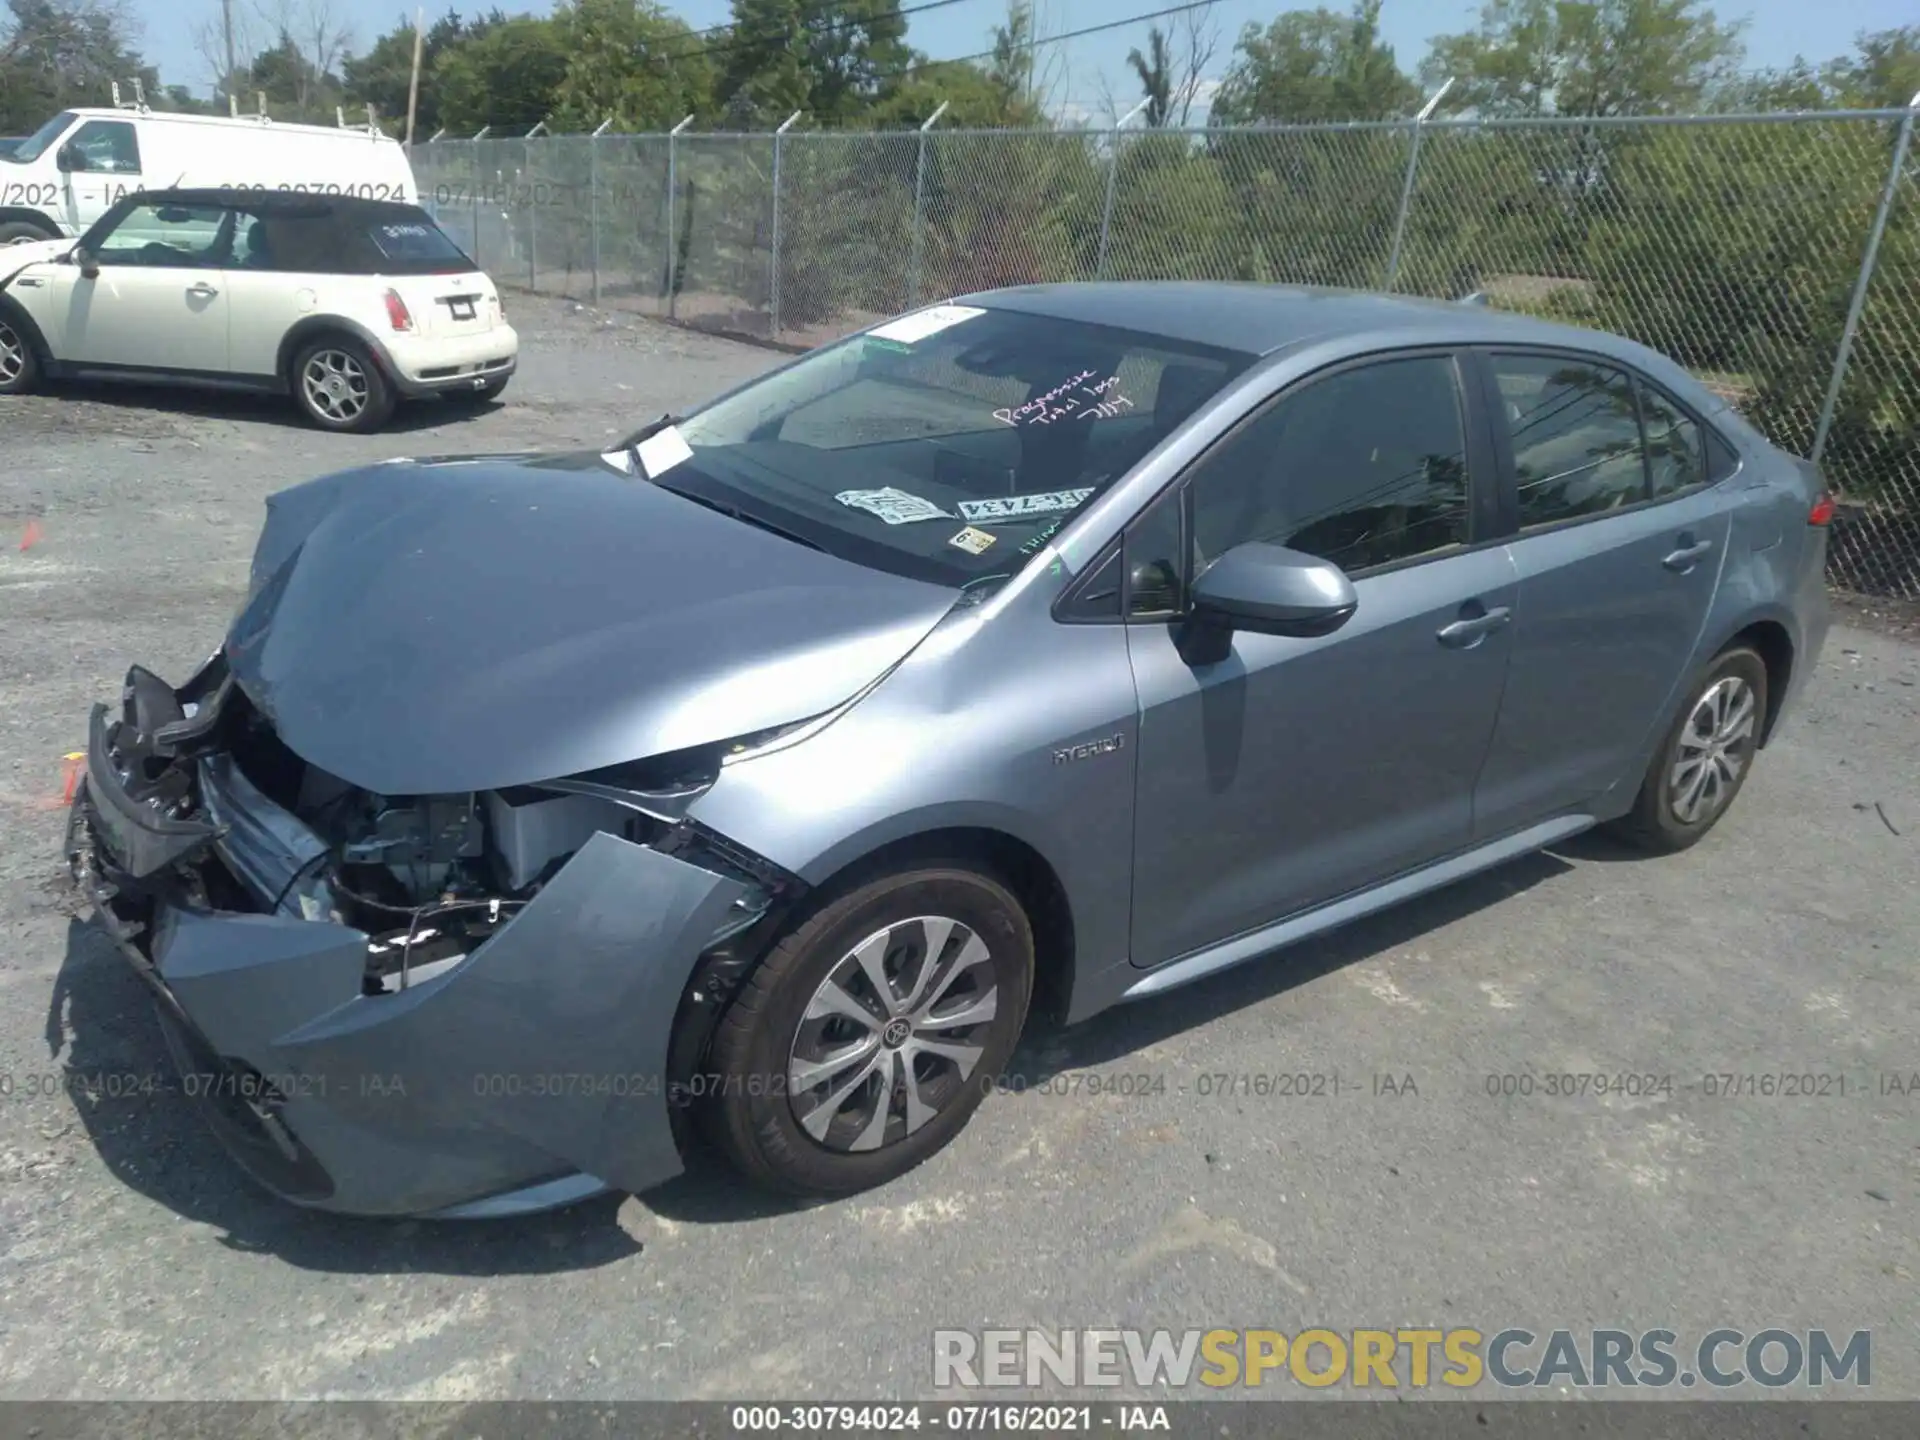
(1053, 39)
(738, 41)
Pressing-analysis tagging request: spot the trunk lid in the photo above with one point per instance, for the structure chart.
(459, 303)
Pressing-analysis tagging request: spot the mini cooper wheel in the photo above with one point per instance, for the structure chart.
(867, 1038)
(338, 385)
(1704, 759)
(19, 366)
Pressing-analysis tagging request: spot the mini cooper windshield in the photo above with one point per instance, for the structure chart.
(948, 445)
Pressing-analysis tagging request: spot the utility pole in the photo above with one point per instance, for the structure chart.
(413, 85)
(226, 26)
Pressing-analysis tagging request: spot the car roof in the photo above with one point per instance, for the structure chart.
(268, 202)
(178, 117)
(1260, 319)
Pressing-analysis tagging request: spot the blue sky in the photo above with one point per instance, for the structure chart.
(1777, 30)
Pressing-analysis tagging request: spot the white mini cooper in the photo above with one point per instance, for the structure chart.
(349, 305)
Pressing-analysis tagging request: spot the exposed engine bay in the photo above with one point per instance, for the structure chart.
(428, 879)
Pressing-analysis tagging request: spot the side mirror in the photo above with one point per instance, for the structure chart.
(83, 257)
(1271, 590)
(69, 159)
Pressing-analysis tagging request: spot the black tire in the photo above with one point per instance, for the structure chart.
(12, 231)
(754, 1106)
(485, 395)
(363, 383)
(19, 363)
(1655, 824)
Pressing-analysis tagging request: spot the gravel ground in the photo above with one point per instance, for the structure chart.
(135, 1262)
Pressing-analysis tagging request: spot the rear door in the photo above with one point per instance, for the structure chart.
(1619, 541)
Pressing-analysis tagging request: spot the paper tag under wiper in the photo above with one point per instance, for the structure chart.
(661, 451)
(655, 453)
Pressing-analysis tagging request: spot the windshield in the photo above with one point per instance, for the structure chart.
(35, 145)
(948, 445)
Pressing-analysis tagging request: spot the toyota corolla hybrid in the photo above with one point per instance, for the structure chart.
(538, 815)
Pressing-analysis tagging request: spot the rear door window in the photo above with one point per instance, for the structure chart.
(1676, 452)
(1576, 438)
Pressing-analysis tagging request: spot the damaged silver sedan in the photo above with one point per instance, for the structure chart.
(539, 818)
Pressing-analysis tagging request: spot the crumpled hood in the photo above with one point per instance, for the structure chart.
(15, 258)
(440, 627)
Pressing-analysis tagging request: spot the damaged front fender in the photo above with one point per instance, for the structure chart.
(541, 1055)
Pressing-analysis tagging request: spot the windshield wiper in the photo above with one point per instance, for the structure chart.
(734, 512)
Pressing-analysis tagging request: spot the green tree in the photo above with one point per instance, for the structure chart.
(1155, 69)
(975, 100)
(831, 60)
(381, 77)
(57, 53)
(1588, 57)
(631, 62)
(1883, 71)
(294, 89)
(507, 77)
(1314, 65)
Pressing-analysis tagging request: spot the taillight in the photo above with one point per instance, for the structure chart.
(397, 313)
(1822, 512)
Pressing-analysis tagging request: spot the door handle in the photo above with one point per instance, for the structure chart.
(1688, 555)
(203, 290)
(1464, 634)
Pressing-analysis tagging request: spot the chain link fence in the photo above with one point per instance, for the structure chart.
(1777, 256)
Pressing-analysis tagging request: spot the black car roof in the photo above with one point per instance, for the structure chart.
(290, 202)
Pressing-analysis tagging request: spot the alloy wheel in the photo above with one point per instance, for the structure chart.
(13, 354)
(891, 1035)
(335, 385)
(1715, 745)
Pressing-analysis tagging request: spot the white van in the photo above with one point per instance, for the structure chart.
(64, 177)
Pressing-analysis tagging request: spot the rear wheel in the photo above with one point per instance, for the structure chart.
(19, 366)
(20, 232)
(340, 387)
(866, 1039)
(1704, 759)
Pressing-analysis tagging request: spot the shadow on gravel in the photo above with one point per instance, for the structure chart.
(153, 1139)
(1048, 1049)
(252, 407)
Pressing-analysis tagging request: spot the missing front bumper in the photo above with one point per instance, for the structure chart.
(537, 1066)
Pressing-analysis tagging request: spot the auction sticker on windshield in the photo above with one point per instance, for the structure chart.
(1015, 507)
(910, 329)
(974, 542)
(896, 507)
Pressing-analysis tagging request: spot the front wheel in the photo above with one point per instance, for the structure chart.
(1704, 759)
(19, 366)
(25, 232)
(340, 387)
(867, 1038)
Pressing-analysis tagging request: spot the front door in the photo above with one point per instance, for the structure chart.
(158, 301)
(1619, 554)
(1291, 771)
